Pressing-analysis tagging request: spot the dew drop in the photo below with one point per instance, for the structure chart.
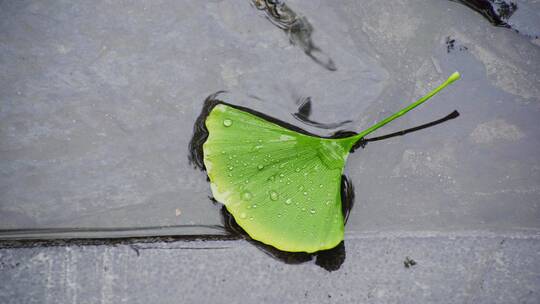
(247, 196)
(254, 206)
(243, 215)
(305, 193)
(260, 167)
(288, 201)
(303, 209)
(321, 185)
(230, 168)
(274, 195)
(312, 211)
(328, 203)
(227, 122)
(297, 169)
(279, 215)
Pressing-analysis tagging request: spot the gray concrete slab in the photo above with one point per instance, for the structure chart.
(457, 268)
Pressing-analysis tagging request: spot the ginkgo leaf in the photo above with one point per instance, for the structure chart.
(281, 185)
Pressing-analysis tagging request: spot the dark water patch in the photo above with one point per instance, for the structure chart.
(129, 241)
(506, 9)
(296, 27)
(331, 259)
(408, 262)
(347, 197)
(451, 45)
(304, 111)
(497, 12)
(200, 132)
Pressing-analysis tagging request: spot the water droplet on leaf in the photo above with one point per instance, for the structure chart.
(247, 196)
(274, 195)
(227, 122)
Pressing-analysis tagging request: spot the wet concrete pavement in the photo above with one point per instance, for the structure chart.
(97, 105)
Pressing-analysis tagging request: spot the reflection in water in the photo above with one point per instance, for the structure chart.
(297, 28)
(495, 11)
(304, 111)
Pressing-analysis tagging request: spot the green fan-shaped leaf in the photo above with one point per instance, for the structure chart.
(281, 186)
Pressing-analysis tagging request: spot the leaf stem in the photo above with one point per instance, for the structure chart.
(455, 76)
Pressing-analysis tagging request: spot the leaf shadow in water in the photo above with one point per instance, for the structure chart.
(297, 28)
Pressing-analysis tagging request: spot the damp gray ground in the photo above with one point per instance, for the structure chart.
(98, 101)
(472, 268)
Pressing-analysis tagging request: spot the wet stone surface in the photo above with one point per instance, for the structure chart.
(98, 108)
(98, 102)
(461, 269)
